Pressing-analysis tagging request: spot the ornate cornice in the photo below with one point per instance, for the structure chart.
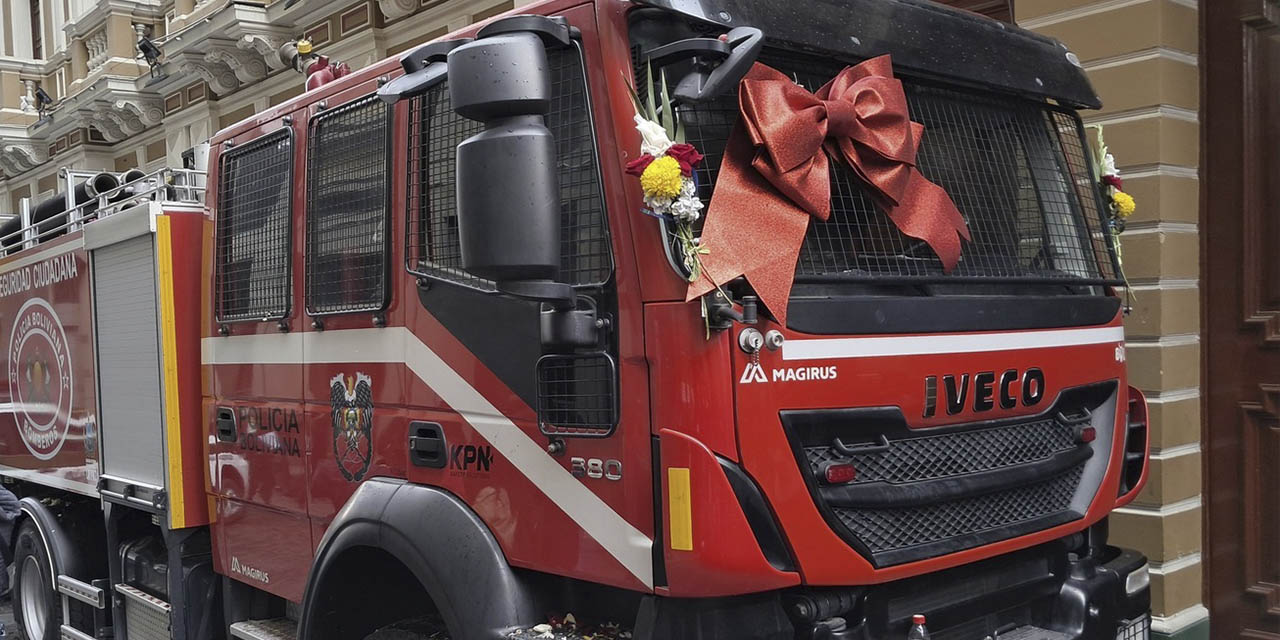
(150, 111)
(247, 65)
(18, 157)
(220, 77)
(396, 9)
(266, 45)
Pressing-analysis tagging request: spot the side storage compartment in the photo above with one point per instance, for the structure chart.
(129, 368)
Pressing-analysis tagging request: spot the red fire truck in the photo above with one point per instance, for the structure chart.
(415, 364)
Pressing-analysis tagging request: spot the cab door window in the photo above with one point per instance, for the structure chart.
(255, 199)
(348, 202)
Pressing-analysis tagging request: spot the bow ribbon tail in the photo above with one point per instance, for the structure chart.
(926, 212)
(751, 230)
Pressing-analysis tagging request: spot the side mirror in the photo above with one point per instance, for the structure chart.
(508, 192)
(718, 65)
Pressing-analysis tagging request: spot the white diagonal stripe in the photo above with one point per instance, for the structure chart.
(824, 348)
(398, 345)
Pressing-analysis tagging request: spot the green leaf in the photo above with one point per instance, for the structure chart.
(668, 118)
(635, 97)
(652, 113)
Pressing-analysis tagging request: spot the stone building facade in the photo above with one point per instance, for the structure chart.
(1142, 57)
(111, 111)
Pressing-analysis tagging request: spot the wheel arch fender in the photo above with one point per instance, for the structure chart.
(58, 546)
(442, 542)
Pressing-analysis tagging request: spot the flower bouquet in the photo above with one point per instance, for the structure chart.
(665, 168)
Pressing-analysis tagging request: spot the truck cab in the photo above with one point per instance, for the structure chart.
(453, 382)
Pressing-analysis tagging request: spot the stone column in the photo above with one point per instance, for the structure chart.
(29, 95)
(121, 40)
(20, 18)
(11, 90)
(1142, 59)
(79, 60)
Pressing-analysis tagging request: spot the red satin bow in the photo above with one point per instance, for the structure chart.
(775, 175)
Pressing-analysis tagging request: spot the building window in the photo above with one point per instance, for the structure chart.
(253, 237)
(347, 208)
(37, 32)
(434, 133)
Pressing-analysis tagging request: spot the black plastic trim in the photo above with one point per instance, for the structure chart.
(927, 314)
(761, 519)
(442, 542)
(657, 548)
(808, 427)
(924, 38)
(884, 495)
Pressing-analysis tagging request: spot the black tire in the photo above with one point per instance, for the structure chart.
(33, 593)
(411, 630)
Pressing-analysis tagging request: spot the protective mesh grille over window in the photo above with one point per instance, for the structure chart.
(1016, 169)
(347, 205)
(434, 133)
(252, 236)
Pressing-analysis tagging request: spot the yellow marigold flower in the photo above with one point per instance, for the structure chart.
(1124, 203)
(662, 178)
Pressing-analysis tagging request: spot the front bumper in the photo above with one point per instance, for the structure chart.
(1076, 588)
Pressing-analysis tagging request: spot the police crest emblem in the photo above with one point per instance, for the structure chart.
(351, 404)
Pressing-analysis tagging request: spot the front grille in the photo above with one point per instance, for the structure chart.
(920, 493)
(1015, 168)
(888, 530)
(927, 458)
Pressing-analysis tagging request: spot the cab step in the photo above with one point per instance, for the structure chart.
(68, 632)
(274, 629)
(1031, 633)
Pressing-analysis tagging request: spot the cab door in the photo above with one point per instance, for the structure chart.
(258, 447)
(354, 396)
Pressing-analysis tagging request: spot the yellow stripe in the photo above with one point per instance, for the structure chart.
(680, 500)
(169, 348)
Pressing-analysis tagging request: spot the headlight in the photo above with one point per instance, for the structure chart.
(1138, 580)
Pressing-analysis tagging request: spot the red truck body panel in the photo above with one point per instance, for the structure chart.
(274, 500)
(690, 397)
(48, 328)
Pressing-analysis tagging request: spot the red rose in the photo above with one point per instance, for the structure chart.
(637, 166)
(1113, 181)
(686, 155)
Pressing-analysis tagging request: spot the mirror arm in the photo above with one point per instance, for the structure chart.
(557, 294)
(701, 84)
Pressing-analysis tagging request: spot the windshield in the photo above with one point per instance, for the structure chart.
(1016, 166)
(1016, 169)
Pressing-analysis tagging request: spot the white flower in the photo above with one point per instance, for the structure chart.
(686, 209)
(658, 204)
(653, 138)
(1109, 166)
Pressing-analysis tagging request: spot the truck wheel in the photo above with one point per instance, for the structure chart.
(37, 608)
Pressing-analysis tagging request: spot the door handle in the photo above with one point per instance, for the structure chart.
(427, 447)
(225, 424)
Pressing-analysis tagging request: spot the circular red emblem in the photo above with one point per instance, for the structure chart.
(40, 378)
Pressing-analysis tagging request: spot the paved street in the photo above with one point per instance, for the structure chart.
(6, 617)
